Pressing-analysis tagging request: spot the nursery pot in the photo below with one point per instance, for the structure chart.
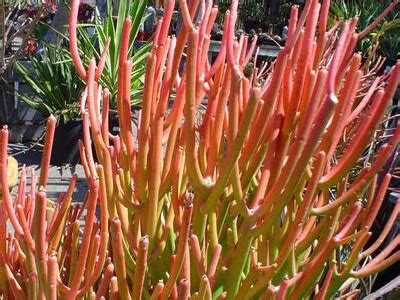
(66, 146)
(113, 128)
(113, 123)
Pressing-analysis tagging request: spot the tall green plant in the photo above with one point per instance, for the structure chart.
(110, 28)
(56, 85)
(367, 12)
(389, 44)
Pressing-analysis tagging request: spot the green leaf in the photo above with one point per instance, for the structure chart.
(54, 81)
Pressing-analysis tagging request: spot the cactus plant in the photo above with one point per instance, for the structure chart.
(256, 197)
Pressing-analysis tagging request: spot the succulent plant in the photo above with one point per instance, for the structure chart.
(250, 200)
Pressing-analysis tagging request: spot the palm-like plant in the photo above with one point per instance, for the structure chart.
(57, 87)
(390, 43)
(110, 28)
(367, 12)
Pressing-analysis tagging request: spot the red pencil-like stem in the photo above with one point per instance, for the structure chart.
(234, 152)
(65, 206)
(184, 232)
(25, 228)
(104, 234)
(53, 270)
(73, 18)
(105, 281)
(48, 146)
(6, 204)
(86, 240)
(103, 59)
(105, 116)
(41, 243)
(272, 157)
(140, 269)
(88, 145)
(123, 57)
(374, 115)
(384, 232)
(190, 110)
(119, 259)
(364, 179)
(183, 289)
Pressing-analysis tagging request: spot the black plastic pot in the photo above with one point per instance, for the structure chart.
(66, 146)
(113, 123)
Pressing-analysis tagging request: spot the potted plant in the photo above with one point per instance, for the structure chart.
(92, 40)
(57, 89)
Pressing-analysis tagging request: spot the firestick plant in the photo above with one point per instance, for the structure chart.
(250, 198)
